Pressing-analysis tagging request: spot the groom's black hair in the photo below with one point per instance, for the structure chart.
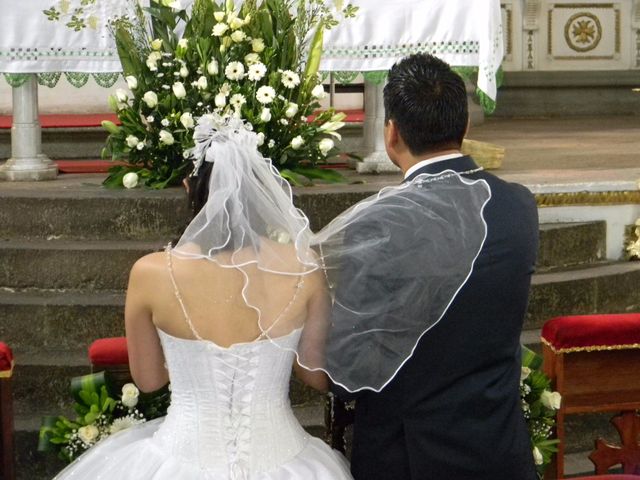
(427, 101)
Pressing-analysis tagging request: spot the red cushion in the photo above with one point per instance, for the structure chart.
(109, 351)
(6, 358)
(592, 332)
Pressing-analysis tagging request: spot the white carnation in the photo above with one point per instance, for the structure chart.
(251, 58)
(238, 36)
(140, 145)
(165, 122)
(236, 23)
(123, 423)
(156, 44)
(219, 29)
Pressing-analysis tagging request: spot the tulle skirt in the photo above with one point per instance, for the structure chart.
(133, 455)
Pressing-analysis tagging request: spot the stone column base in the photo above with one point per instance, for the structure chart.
(376, 162)
(28, 170)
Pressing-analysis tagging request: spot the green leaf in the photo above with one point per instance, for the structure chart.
(295, 179)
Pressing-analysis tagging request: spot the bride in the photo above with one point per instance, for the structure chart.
(221, 316)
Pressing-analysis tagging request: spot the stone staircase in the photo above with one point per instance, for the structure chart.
(65, 253)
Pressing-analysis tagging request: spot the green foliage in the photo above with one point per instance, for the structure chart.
(97, 406)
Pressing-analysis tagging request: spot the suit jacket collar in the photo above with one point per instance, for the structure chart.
(459, 164)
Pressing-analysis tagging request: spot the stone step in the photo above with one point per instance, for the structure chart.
(568, 244)
(602, 288)
(90, 212)
(105, 264)
(87, 265)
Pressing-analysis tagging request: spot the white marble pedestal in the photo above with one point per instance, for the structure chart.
(27, 162)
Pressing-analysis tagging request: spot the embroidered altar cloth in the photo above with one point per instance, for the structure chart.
(461, 32)
(31, 43)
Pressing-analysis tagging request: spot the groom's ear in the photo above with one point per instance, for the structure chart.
(391, 136)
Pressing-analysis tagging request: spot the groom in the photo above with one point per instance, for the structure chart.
(453, 410)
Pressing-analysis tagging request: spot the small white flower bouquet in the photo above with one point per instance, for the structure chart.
(258, 61)
(100, 412)
(539, 405)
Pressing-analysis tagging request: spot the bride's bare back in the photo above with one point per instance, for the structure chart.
(213, 302)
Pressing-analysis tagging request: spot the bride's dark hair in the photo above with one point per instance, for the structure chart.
(198, 188)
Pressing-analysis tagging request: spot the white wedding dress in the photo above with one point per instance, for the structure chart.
(230, 418)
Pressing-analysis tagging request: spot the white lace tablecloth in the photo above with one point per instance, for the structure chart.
(464, 33)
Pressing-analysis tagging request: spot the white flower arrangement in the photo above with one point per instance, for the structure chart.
(247, 60)
(633, 245)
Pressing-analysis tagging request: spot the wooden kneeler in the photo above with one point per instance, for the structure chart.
(7, 468)
(594, 363)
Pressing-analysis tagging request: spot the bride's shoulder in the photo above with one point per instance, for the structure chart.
(150, 264)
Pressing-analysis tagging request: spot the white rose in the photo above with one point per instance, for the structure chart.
(130, 180)
(122, 95)
(152, 60)
(166, 137)
(325, 145)
(283, 237)
(537, 456)
(132, 141)
(178, 90)
(140, 145)
(202, 83)
(524, 373)
(212, 67)
(183, 43)
(318, 91)
(251, 58)
(219, 29)
(297, 142)
(156, 44)
(130, 395)
(257, 45)
(132, 82)
(150, 98)
(265, 94)
(238, 36)
(187, 120)
(551, 399)
(220, 100)
(184, 72)
(88, 434)
(291, 110)
(260, 139)
(236, 23)
(234, 71)
(256, 72)
(219, 16)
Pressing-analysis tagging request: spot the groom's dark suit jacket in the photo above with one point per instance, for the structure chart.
(453, 411)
